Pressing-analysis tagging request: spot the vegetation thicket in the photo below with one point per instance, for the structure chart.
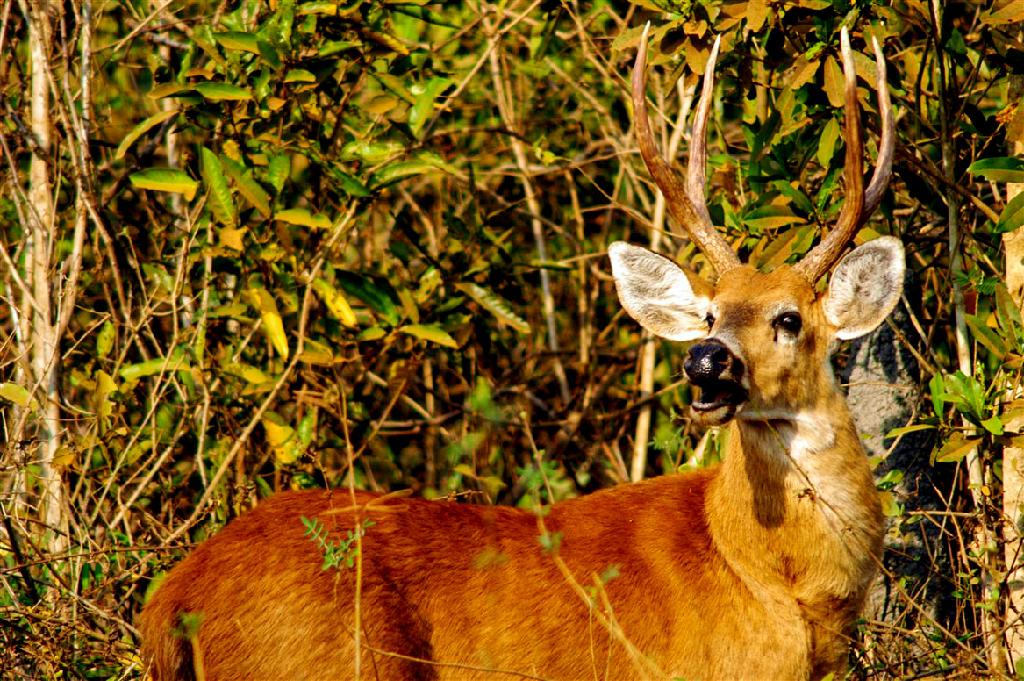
(282, 244)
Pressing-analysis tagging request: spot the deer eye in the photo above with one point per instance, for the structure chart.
(789, 322)
(710, 319)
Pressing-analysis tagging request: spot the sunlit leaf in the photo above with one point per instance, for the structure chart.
(423, 107)
(272, 324)
(133, 372)
(165, 180)
(217, 92)
(232, 237)
(835, 85)
(370, 151)
(299, 76)
(303, 218)
(956, 448)
(238, 40)
(430, 332)
(496, 305)
(315, 352)
(247, 372)
(141, 129)
(281, 438)
(335, 301)
(12, 392)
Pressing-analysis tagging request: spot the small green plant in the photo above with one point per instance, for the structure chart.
(338, 552)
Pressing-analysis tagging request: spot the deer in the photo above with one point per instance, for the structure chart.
(752, 569)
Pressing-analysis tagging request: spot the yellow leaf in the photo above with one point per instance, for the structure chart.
(801, 72)
(231, 237)
(757, 12)
(12, 392)
(430, 332)
(314, 352)
(336, 302)
(281, 438)
(834, 86)
(273, 326)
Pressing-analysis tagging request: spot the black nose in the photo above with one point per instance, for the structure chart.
(707, 360)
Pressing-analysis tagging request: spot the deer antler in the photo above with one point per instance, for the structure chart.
(858, 206)
(685, 202)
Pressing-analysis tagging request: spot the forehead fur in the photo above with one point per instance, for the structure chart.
(762, 289)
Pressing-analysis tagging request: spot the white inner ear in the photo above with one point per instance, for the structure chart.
(865, 287)
(656, 293)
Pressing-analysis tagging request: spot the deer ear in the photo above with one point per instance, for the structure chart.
(657, 293)
(865, 287)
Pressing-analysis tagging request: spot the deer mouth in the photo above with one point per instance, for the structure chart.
(718, 399)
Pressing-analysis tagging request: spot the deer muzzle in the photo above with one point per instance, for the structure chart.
(717, 373)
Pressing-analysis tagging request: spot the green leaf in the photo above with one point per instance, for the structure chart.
(141, 129)
(423, 107)
(993, 425)
(1008, 313)
(299, 76)
(303, 218)
(133, 372)
(165, 180)
(279, 170)
(247, 372)
(377, 294)
(218, 92)
(937, 390)
(430, 332)
(12, 392)
(219, 199)
(105, 339)
(370, 152)
(247, 186)
(1012, 216)
(956, 448)
(496, 305)
(238, 40)
(268, 53)
(827, 142)
(393, 172)
(771, 217)
(1002, 169)
(897, 432)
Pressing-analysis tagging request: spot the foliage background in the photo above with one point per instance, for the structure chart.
(281, 243)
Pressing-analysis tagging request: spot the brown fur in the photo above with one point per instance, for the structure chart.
(752, 570)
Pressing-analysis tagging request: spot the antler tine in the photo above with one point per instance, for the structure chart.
(821, 258)
(693, 216)
(887, 144)
(695, 169)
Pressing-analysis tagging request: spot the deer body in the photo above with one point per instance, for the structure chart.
(755, 569)
(729, 573)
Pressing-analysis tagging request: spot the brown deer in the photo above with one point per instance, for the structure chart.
(755, 569)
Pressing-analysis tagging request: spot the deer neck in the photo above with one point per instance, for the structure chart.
(795, 505)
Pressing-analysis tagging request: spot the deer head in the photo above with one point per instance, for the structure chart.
(764, 339)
